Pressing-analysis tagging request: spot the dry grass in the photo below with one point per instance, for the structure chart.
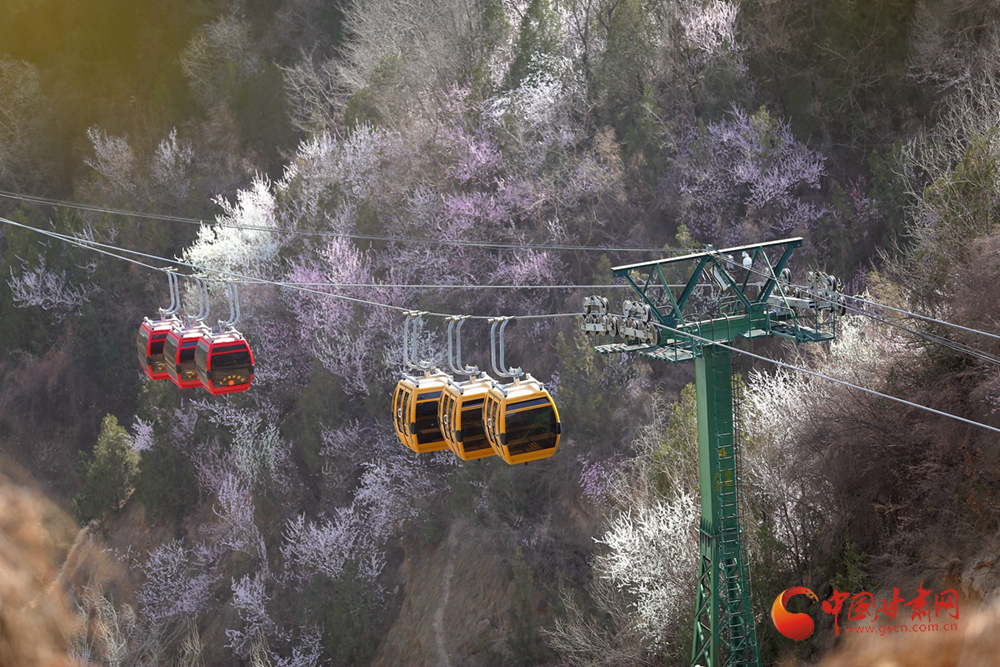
(36, 622)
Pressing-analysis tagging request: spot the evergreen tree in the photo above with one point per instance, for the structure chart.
(108, 478)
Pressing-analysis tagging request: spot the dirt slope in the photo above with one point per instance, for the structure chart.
(457, 595)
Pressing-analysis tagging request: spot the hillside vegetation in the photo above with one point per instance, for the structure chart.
(338, 144)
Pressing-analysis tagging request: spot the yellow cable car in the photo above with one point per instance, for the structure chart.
(461, 418)
(415, 409)
(416, 401)
(461, 411)
(521, 419)
(522, 422)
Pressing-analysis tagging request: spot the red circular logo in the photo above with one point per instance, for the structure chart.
(792, 625)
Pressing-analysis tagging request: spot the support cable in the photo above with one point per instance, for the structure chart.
(955, 346)
(926, 318)
(100, 248)
(358, 237)
(93, 245)
(827, 377)
(961, 348)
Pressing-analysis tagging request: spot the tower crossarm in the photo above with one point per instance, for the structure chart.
(648, 280)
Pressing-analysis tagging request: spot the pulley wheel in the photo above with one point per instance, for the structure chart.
(613, 325)
(653, 334)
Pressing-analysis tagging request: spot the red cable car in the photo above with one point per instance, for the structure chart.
(152, 335)
(149, 345)
(178, 352)
(224, 362)
(181, 341)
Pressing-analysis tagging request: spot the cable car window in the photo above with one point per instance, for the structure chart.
(473, 435)
(429, 395)
(493, 425)
(404, 402)
(427, 421)
(397, 404)
(526, 404)
(531, 430)
(140, 344)
(187, 352)
(170, 350)
(156, 347)
(230, 359)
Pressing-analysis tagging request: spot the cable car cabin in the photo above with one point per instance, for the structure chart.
(149, 343)
(224, 362)
(415, 412)
(178, 354)
(461, 418)
(522, 422)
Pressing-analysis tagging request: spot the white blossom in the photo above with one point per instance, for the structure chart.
(307, 653)
(172, 586)
(653, 553)
(171, 165)
(711, 27)
(257, 451)
(540, 112)
(219, 58)
(320, 547)
(250, 601)
(113, 159)
(251, 249)
(238, 529)
(49, 289)
(143, 438)
(22, 114)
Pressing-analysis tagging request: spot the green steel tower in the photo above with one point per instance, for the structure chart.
(754, 298)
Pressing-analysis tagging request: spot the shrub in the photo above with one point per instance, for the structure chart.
(165, 483)
(346, 610)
